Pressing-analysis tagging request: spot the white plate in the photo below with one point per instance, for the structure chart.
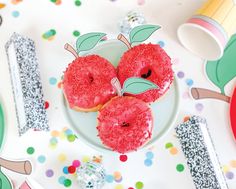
(164, 110)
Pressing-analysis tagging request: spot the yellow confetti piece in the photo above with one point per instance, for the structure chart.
(62, 136)
(233, 163)
(173, 150)
(2, 5)
(55, 133)
(85, 159)
(119, 186)
(61, 157)
(52, 146)
(225, 168)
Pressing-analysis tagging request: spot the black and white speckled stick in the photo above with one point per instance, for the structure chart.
(201, 157)
(26, 84)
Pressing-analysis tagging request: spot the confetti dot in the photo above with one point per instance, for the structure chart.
(15, 14)
(52, 146)
(67, 183)
(119, 180)
(141, 2)
(117, 175)
(68, 132)
(76, 163)
(65, 170)
(149, 155)
(59, 85)
(46, 105)
(30, 150)
(71, 138)
(2, 5)
(71, 169)
(77, 3)
(55, 133)
(76, 33)
(199, 107)
(53, 141)
(233, 163)
(123, 158)
(180, 167)
(229, 175)
(173, 151)
(130, 188)
(52, 80)
(49, 35)
(139, 185)
(180, 74)
(119, 186)
(85, 159)
(109, 178)
(189, 82)
(168, 145)
(161, 43)
(186, 118)
(148, 162)
(61, 180)
(61, 157)
(41, 159)
(49, 173)
(225, 168)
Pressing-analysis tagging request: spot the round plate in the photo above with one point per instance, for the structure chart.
(164, 110)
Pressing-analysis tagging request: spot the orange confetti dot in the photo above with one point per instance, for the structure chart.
(173, 150)
(186, 118)
(233, 163)
(58, 2)
(59, 85)
(2, 5)
(55, 133)
(117, 175)
(15, 2)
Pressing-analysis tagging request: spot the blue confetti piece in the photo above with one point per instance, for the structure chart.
(109, 178)
(15, 14)
(189, 82)
(65, 170)
(161, 43)
(148, 162)
(61, 180)
(41, 159)
(52, 80)
(149, 155)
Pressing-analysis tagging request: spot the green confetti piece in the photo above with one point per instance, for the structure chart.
(30, 150)
(180, 167)
(168, 145)
(76, 33)
(78, 3)
(71, 138)
(139, 185)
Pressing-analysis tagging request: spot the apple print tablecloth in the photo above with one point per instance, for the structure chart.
(52, 23)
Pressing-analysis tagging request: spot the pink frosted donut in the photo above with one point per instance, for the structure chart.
(87, 83)
(150, 62)
(125, 124)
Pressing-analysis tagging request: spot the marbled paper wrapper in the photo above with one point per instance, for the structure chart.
(26, 84)
(201, 157)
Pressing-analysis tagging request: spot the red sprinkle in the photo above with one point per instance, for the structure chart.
(71, 169)
(123, 158)
(46, 105)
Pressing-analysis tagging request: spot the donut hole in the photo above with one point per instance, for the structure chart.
(146, 72)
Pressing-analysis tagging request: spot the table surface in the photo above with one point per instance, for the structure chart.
(37, 17)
